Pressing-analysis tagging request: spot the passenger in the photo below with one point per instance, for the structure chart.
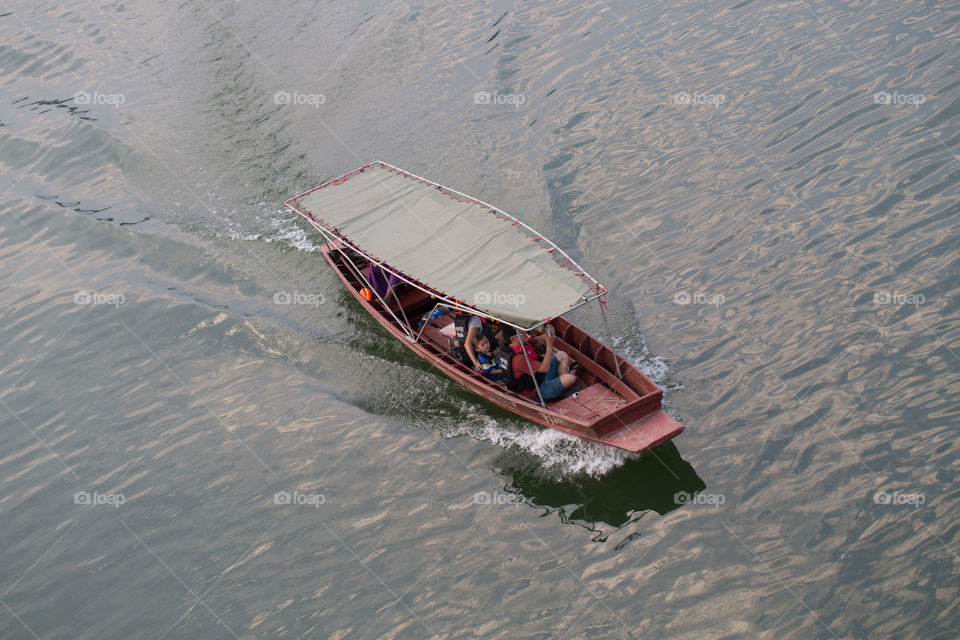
(476, 327)
(552, 371)
(490, 370)
(384, 282)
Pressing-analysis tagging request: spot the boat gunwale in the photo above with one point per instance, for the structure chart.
(503, 397)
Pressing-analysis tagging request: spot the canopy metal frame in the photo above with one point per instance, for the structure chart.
(446, 300)
(339, 242)
(595, 289)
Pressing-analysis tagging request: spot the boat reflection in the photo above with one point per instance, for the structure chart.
(647, 483)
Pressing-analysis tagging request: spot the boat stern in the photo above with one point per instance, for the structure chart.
(644, 433)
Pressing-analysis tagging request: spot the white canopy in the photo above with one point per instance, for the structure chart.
(461, 248)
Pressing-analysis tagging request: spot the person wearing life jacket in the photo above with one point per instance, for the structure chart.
(552, 372)
(468, 328)
(488, 363)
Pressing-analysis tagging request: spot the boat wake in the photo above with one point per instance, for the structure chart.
(285, 231)
(634, 348)
(293, 234)
(557, 453)
(454, 415)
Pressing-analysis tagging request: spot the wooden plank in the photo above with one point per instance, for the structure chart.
(644, 434)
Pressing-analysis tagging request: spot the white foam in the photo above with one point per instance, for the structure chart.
(634, 349)
(239, 235)
(559, 452)
(291, 233)
(569, 454)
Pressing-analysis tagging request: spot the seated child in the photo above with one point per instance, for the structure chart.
(486, 360)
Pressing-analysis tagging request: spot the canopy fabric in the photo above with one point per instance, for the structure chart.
(460, 247)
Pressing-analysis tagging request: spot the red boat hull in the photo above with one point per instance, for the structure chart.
(623, 412)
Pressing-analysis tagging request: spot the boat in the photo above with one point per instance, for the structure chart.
(448, 253)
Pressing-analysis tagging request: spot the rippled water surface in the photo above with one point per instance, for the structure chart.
(770, 190)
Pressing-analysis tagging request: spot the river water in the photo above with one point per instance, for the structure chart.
(769, 190)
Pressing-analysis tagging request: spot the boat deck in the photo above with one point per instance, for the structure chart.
(587, 401)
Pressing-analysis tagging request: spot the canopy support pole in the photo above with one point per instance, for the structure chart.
(402, 312)
(616, 362)
(533, 376)
(427, 321)
(370, 287)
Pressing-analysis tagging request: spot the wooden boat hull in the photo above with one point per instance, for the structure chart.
(624, 413)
